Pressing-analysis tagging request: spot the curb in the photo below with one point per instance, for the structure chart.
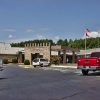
(53, 66)
(25, 66)
(61, 66)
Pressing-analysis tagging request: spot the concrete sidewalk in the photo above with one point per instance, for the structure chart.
(25, 66)
(55, 66)
(65, 66)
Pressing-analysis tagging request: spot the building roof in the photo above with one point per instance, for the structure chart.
(5, 48)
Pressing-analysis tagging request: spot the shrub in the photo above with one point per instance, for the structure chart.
(55, 60)
(5, 61)
(26, 62)
(14, 61)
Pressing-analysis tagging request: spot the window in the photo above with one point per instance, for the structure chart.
(36, 60)
(43, 60)
(96, 54)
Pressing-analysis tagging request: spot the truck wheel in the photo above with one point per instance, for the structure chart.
(85, 72)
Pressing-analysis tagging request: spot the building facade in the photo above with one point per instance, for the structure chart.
(38, 50)
(8, 52)
(46, 50)
(34, 50)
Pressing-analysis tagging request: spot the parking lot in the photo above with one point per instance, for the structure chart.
(19, 83)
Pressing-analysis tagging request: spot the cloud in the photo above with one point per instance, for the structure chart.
(9, 30)
(39, 36)
(18, 40)
(10, 36)
(57, 37)
(29, 30)
(13, 39)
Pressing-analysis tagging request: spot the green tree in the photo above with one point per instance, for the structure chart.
(60, 42)
(65, 42)
(70, 43)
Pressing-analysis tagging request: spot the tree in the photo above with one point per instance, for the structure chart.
(70, 44)
(60, 42)
(22, 44)
(77, 43)
(65, 42)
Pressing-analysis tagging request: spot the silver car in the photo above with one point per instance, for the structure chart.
(40, 62)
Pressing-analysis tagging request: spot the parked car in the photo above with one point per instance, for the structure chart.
(40, 62)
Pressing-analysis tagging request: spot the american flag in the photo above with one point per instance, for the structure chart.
(87, 33)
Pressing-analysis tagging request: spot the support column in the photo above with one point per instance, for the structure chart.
(64, 56)
(59, 57)
(20, 57)
(73, 56)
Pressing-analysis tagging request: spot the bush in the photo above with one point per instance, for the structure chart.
(5, 61)
(55, 60)
(14, 61)
(26, 62)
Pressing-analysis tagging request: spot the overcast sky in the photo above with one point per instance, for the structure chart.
(53, 19)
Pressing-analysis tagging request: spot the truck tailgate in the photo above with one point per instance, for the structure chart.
(88, 62)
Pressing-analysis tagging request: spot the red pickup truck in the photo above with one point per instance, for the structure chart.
(91, 63)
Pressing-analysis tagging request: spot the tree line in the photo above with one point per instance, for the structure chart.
(22, 44)
(77, 43)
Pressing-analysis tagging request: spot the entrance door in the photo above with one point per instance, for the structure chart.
(36, 55)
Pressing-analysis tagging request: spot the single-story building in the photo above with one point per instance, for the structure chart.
(8, 52)
(44, 50)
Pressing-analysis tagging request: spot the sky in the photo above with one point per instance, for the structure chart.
(23, 20)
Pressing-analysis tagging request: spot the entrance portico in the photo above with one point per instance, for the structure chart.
(63, 50)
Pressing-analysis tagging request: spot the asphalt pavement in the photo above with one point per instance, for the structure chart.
(47, 83)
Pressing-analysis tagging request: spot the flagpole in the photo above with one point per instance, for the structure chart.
(85, 46)
(86, 35)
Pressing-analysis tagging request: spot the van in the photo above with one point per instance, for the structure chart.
(40, 62)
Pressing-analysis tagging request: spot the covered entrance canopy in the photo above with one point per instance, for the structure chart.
(36, 55)
(64, 50)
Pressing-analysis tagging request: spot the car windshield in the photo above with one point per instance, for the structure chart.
(36, 60)
(43, 60)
